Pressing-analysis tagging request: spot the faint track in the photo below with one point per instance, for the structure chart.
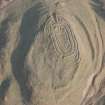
(88, 36)
(98, 65)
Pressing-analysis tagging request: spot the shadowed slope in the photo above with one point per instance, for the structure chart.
(3, 89)
(28, 32)
(99, 7)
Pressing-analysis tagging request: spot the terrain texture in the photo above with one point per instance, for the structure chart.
(52, 52)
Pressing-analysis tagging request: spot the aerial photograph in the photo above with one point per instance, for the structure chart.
(52, 52)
